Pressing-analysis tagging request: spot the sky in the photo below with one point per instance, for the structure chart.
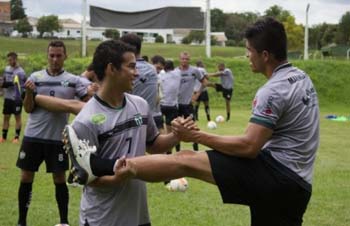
(329, 11)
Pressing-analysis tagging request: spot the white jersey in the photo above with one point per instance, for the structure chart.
(169, 86)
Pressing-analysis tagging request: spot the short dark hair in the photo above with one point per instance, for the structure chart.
(199, 63)
(134, 40)
(57, 43)
(110, 51)
(169, 65)
(90, 67)
(158, 59)
(12, 54)
(268, 34)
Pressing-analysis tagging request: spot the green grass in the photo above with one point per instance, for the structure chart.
(201, 204)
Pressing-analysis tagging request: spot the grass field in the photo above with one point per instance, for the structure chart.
(201, 204)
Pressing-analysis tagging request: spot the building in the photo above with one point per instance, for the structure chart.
(6, 25)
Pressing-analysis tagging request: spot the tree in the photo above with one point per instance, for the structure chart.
(236, 24)
(217, 20)
(295, 34)
(23, 26)
(343, 36)
(17, 10)
(278, 13)
(196, 36)
(159, 39)
(112, 33)
(48, 24)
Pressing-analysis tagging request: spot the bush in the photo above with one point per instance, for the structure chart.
(159, 39)
(186, 40)
(230, 42)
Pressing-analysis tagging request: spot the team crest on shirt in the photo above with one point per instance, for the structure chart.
(268, 107)
(138, 119)
(98, 118)
(65, 83)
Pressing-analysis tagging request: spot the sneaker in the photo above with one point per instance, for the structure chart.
(79, 152)
(15, 141)
(62, 225)
(2, 140)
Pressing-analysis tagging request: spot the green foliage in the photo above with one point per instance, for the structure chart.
(23, 26)
(186, 40)
(17, 10)
(48, 24)
(344, 29)
(295, 34)
(237, 23)
(322, 35)
(217, 20)
(159, 39)
(278, 13)
(112, 33)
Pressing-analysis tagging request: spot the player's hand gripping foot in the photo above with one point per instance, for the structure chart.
(79, 153)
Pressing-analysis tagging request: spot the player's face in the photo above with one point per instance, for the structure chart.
(12, 61)
(255, 59)
(158, 67)
(184, 60)
(128, 71)
(56, 58)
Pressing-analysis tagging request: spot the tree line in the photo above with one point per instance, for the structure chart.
(233, 24)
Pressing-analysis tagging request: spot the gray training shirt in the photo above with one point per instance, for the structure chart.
(42, 124)
(188, 78)
(146, 84)
(14, 92)
(227, 79)
(116, 132)
(288, 105)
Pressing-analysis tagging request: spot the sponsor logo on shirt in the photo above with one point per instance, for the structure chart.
(65, 83)
(98, 119)
(268, 107)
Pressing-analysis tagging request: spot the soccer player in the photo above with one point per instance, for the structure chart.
(189, 75)
(226, 86)
(119, 124)
(43, 133)
(203, 97)
(268, 168)
(146, 83)
(13, 81)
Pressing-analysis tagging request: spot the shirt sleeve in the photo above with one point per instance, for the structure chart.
(267, 108)
(80, 88)
(152, 130)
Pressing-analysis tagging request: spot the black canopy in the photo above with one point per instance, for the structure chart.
(162, 18)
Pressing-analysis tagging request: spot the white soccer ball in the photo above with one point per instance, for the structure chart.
(219, 118)
(211, 125)
(180, 184)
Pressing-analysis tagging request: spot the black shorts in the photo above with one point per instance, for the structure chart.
(203, 97)
(32, 153)
(226, 93)
(186, 110)
(12, 107)
(274, 198)
(169, 112)
(159, 121)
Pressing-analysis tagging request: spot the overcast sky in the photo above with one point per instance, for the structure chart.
(329, 11)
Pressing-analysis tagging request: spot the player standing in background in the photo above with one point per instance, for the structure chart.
(43, 134)
(13, 81)
(189, 75)
(203, 97)
(226, 86)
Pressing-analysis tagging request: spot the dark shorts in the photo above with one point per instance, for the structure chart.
(169, 112)
(32, 153)
(12, 107)
(274, 198)
(226, 93)
(186, 110)
(159, 121)
(204, 97)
